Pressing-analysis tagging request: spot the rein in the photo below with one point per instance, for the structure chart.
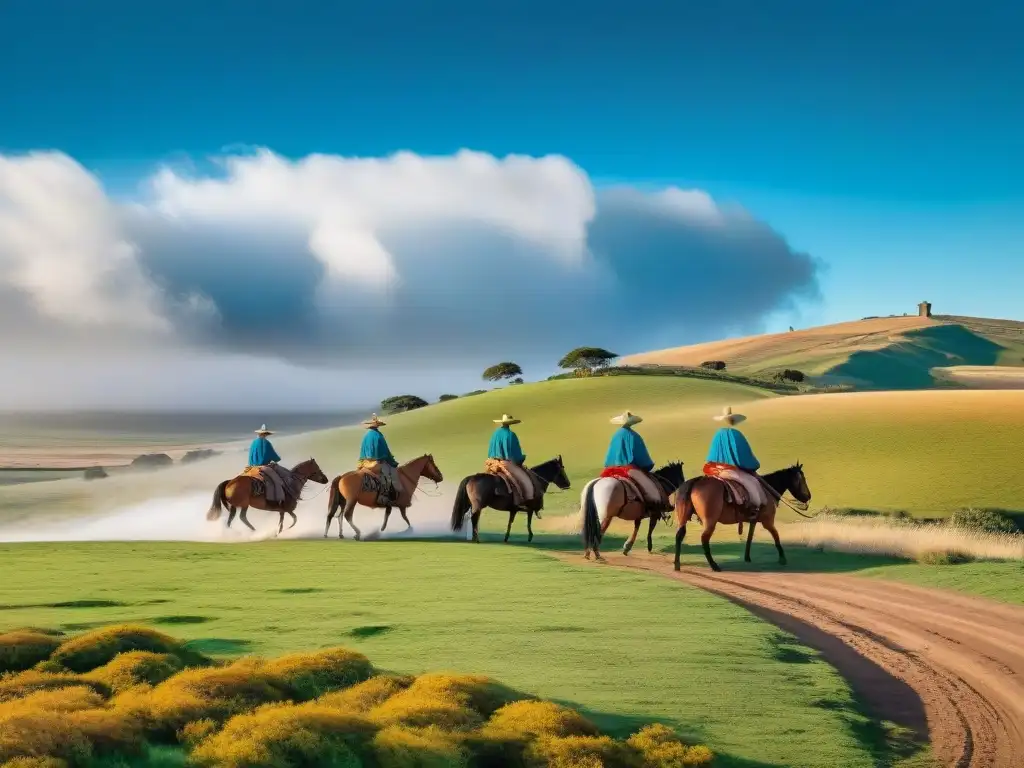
(778, 497)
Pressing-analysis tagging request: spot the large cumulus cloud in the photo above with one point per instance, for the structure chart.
(396, 262)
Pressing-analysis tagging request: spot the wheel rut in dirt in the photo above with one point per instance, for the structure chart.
(948, 666)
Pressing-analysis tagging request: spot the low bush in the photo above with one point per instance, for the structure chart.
(365, 696)
(580, 752)
(24, 648)
(94, 649)
(944, 557)
(399, 747)
(285, 735)
(713, 365)
(986, 520)
(126, 670)
(659, 747)
(455, 702)
(540, 718)
(310, 675)
(13, 686)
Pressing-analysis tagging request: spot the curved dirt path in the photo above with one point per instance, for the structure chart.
(947, 665)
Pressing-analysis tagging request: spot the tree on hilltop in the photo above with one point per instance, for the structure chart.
(506, 370)
(400, 403)
(586, 360)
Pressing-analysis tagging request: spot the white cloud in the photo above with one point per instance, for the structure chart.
(404, 263)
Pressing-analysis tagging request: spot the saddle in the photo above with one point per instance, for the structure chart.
(282, 483)
(634, 493)
(496, 468)
(735, 494)
(378, 483)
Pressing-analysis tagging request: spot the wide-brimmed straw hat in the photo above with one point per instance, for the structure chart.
(728, 416)
(506, 420)
(626, 419)
(373, 421)
(263, 431)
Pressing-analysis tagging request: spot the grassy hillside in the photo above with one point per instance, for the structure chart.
(876, 353)
(625, 648)
(927, 452)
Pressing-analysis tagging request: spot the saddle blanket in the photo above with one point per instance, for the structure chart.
(378, 481)
(274, 482)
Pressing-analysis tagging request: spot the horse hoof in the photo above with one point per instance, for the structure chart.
(716, 568)
(675, 567)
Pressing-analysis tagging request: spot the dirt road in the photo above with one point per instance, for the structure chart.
(947, 665)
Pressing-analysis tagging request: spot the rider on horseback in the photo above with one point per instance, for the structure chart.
(374, 453)
(731, 459)
(628, 459)
(264, 460)
(505, 458)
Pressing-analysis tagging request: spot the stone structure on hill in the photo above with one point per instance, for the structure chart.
(152, 461)
(198, 455)
(924, 309)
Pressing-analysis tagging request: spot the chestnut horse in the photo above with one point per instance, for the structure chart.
(241, 492)
(604, 499)
(484, 489)
(705, 497)
(349, 489)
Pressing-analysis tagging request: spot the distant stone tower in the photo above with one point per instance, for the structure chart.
(924, 309)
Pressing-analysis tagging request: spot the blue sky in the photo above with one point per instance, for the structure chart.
(882, 138)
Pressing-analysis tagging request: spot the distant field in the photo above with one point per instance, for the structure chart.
(876, 353)
(982, 377)
(624, 647)
(927, 453)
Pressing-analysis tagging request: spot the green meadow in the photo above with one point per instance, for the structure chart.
(624, 648)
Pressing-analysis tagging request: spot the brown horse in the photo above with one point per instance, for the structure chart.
(705, 497)
(604, 499)
(352, 488)
(484, 489)
(243, 492)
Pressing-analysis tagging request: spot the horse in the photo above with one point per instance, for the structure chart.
(705, 497)
(351, 488)
(243, 491)
(484, 489)
(604, 499)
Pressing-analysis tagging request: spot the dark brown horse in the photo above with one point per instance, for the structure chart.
(604, 499)
(705, 497)
(349, 489)
(245, 491)
(482, 490)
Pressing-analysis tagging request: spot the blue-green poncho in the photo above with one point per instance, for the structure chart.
(729, 446)
(261, 453)
(628, 449)
(375, 448)
(505, 446)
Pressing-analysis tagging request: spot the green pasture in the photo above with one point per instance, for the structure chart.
(925, 456)
(626, 648)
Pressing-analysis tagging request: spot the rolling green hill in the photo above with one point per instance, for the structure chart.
(874, 353)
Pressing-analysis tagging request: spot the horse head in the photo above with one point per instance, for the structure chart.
(311, 471)
(561, 480)
(430, 470)
(671, 474)
(798, 483)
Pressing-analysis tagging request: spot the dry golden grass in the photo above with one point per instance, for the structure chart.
(251, 714)
(126, 670)
(312, 674)
(94, 649)
(285, 735)
(365, 696)
(885, 536)
(984, 376)
(24, 648)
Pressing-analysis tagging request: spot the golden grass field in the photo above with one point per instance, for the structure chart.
(983, 376)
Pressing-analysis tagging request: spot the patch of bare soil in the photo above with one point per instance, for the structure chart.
(949, 666)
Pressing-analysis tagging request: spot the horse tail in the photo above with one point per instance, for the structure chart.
(219, 502)
(684, 505)
(333, 497)
(591, 521)
(462, 505)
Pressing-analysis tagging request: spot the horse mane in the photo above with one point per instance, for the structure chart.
(674, 464)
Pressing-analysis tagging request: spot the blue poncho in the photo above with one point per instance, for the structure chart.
(375, 448)
(628, 449)
(505, 446)
(261, 453)
(729, 446)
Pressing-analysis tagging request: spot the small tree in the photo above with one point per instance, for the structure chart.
(400, 403)
(446, 398)
(713, 365)
(508, 370)
(517, 380)
(586, 360)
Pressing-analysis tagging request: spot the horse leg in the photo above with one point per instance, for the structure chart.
(244, 519)
(350, 508)
(769, 525)
(387, 514)
(401, 511)
(650, 533)
(705, 541)
(750, 538)
(632, 539)
(231, 515)
(476, 524)
(604, 529)
(529, 523)
(511, 517)
(295, 519)
(680, 535)
(280, 528)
